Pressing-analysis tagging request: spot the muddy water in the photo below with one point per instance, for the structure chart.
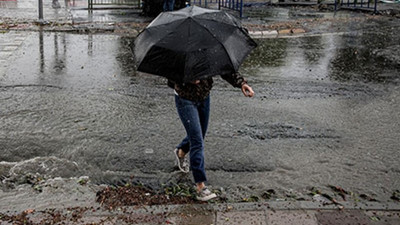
(325, 113)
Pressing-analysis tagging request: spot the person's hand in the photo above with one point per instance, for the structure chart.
(247, 90)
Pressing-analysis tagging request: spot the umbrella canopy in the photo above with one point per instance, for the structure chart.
(191, 44)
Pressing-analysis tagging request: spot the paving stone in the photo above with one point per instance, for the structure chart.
(285, 205)
(142, 219)
(242, 218)
(384, 217)
(5, 55)
(247, 206)
(191, 219)
(190, 214)
(20, 39)
(298, 30)
(3, 71)
(291, 217)
(285, 31)
(10, 48)
(349, 217)
(97, 220)
(14, 43)
(9, 43)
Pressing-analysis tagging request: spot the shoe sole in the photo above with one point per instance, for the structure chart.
(177, 161)
(207, 198)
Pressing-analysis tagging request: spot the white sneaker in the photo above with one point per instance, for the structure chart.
(205, 194)
(183, 163)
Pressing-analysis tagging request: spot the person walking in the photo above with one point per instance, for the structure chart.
(192, 102)
(168, 5)
(55, 4)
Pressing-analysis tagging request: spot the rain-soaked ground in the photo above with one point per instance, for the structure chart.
(326, 112)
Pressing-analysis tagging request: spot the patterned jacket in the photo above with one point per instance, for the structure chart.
(200, 91)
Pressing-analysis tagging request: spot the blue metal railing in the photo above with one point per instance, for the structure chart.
(357, 4)
(236, 5)
(92, 3)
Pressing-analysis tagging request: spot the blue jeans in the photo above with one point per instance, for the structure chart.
(194, 116)
(168, 5)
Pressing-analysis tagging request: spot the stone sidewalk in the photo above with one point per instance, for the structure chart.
(257, 213)
(262, 213)
(269, 213)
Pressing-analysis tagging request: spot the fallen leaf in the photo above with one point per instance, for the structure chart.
(374, 218)
(29, 211)
(339, 191)
(368, 198)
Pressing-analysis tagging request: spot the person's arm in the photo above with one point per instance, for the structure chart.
(236, 80)
(171, 84)
(247, 90)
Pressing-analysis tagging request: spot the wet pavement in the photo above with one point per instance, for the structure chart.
(27, 11)
(325, 113)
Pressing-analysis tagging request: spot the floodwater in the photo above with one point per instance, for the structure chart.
(326, 112)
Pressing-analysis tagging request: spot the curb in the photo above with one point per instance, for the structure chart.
(264, 34)
(275, 34)
(272, 212)
(257, 206)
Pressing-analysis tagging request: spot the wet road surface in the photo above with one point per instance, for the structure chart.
(326, 112)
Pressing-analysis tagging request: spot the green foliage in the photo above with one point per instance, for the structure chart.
(252, 198)
(314, 191)
(179, 190)
(83, 181)
(38, 188)
(396, 195)
(374, 218)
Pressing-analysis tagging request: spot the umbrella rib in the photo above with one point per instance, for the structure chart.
(160, 25)
(219, 41)
(238, 26)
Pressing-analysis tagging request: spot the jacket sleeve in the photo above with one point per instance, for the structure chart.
(171, 84)
(235, 79)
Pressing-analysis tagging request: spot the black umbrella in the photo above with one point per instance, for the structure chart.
(191, 44)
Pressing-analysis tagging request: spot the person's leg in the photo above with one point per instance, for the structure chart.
(189, 115)
(165, 6)
(171, 5)
(204, 115)
(195, 117)
(184, 145)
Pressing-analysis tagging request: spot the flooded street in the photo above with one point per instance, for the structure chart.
(326, 112)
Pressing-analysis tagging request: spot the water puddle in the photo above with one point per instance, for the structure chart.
(364, 56)
(75, 61)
